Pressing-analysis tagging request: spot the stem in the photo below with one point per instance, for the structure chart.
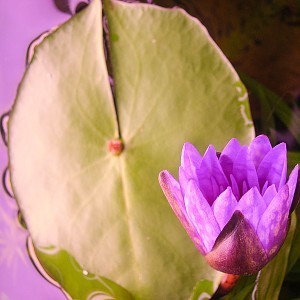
(226, 285)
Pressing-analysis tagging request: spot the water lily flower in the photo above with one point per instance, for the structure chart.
(236, 206)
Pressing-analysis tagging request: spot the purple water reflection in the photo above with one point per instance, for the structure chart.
(21, 21)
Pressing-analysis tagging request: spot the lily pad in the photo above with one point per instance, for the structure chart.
(171, 84)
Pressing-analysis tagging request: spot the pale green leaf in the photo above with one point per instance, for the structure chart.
(172, 84)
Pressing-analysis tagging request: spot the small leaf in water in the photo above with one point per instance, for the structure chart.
(203, 290)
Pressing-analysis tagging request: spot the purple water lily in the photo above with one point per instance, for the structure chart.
(235, 208)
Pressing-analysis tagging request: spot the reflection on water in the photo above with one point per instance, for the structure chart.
(22, 21)
(16, 246)
(6, 183)
(4, 127)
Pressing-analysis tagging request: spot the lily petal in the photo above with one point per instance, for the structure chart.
(244, 170)
(224, 207)
(259, 148)
(252, 206)
(292, 183)
(183, 179)
(237, 249)
(228, 156)
(190, 160)
(296, 197)
(273, 167)
(201, 215)
(269, 194)
(173, 194)
(273, 226)
(264, 188)
(235, 187)
(212, 180)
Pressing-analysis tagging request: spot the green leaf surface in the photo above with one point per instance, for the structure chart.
(160, 54)
(172, 84)
(203, 290)
(66, 270)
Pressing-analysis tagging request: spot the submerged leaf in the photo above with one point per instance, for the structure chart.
(203, 290)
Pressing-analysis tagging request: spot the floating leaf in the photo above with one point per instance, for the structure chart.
(172, 84)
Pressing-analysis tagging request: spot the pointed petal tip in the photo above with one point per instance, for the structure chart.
(295, 176)
(269, 193)
(230, 227)
(185, 146)
(233, 144)
(162, 176)
(210, 148)
(224, 207)
(253, 192)
(188, 145)
(166, 180)
(281, 147)
(273, 166)
(190, 156)
(237, 249)
(228, 190)
(261, 138)
(209, 151)
(162, 173)
(252, 206)
(295, 171)
(211, 176)
(235, 141)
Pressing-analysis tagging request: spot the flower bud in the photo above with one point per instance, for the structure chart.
(236, 206)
